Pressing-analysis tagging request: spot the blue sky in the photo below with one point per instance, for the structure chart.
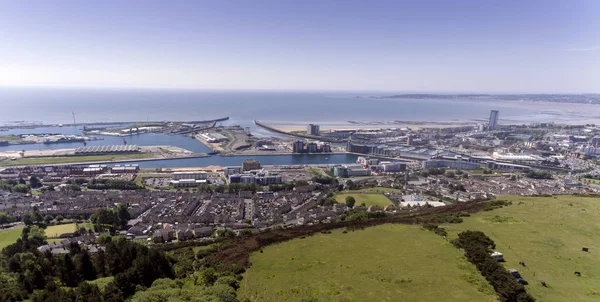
(404, 46)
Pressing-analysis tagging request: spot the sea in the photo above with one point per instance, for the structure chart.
(61, 105)
(52, 105)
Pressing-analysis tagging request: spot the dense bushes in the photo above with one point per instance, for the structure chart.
(497, 204)
(114, 218)
(112, 184)
(436, 229)
(477, 247)
(539, 175)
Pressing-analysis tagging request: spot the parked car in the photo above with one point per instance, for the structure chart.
(498, 256)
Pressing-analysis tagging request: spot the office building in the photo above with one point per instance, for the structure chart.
(313, 129)
(409, 139)
(350, 171)
(189, 179)
(262, 178)
(298, 146)
(250, 164)
(190, 175)
(310, 147)
(232, 170)
(493, 120)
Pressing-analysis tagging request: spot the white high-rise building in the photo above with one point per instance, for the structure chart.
(493, 120)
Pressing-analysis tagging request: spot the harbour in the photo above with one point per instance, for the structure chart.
(202, 156)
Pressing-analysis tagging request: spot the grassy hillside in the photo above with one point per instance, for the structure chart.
(383, 263)
(548, 234)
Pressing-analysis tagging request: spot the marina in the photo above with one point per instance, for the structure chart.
(176, 140)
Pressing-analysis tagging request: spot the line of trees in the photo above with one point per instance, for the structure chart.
(539, 175)
(112, 184)
(478, 247)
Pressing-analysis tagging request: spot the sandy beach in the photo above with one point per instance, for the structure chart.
(365, 126)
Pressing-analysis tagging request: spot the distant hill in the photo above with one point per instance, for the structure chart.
(591, 98)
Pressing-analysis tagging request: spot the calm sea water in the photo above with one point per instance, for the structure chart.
(97, 105)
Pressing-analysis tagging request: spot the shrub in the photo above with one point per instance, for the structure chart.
(477, 247)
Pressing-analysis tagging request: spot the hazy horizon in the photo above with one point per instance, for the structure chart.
(356, 92)
(433, 46)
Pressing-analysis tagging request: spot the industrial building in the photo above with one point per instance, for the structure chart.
(98, 150)
(188, 179)
(350, 171)
(263, 178)
(515, 157)
(452, 164)
(118, 169)
(374, 165)
(400, 151)
(190, 175)
(213, 137)
(185, 183)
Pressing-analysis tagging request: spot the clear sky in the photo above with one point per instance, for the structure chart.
(503, 46)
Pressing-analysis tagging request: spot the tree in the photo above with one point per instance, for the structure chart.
(87, 292)
(71, 188)
(350, 201)
(219, 292)
(35, 182)
(68, 274)
(59, 218)
(123, 215)
(27, 220)
(206, 277)
(36, 215)
(22, 181)
(5, 218)
(112, 293)
(101, 263)
(48, 219)
(21, 188)
(85, 267)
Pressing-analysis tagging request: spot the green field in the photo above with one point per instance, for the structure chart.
(548, 235)
(8, 237)
(54, 231)
(370, 196)
(72, 159)
(383, 263)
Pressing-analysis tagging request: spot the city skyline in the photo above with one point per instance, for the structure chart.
(430, 46)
